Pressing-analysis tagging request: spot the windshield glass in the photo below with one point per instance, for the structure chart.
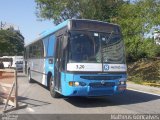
(94, 47)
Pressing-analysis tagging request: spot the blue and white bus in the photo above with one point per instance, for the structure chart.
(79, 57)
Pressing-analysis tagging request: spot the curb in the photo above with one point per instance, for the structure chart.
(152, 93)
(151, 84)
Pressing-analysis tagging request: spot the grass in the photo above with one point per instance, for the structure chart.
(145, 72)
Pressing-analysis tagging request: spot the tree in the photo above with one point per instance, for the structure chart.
(11, 43)
(60, 10)
(136, 19)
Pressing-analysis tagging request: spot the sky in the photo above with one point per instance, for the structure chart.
(21, 13)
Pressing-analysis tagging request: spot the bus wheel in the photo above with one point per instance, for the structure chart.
(53, 93)
(30, 80)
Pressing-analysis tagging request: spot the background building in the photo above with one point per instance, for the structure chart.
(157, 37)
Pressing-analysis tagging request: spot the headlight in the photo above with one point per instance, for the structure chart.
(122, 82)
(75, 83)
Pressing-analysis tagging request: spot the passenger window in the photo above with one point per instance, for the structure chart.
(51, 46)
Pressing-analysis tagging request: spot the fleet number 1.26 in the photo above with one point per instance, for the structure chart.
(80, 67)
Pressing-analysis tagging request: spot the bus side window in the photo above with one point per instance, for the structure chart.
(64, 54)
(51, 45)
(30, 52)
(45, 42)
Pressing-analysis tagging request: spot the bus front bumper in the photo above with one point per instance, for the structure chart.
(90, 91)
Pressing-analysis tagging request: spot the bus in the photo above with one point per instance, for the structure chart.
(7, 61)
(79, 57)
(13, 62)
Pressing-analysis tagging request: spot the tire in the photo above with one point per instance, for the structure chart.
(53, 93)
(30, 80)
(48, 81)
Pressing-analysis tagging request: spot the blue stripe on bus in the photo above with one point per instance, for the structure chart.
(56, 28)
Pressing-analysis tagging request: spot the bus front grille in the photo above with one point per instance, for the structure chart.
(101, 77)
(99, 84)
(100, 93)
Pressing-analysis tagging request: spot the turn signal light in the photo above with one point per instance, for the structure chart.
(70, 83)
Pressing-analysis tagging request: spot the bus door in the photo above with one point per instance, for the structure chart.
(58, 65)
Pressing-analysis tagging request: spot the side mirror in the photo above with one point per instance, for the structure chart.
(65, 41)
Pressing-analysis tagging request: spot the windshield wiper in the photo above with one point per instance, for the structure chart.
(110, 36)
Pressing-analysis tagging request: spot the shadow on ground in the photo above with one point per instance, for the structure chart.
(32, 102)
(129, 97)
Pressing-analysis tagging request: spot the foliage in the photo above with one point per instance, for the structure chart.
(150, 48)
(60, 10)
(11, 43)
(135, 18)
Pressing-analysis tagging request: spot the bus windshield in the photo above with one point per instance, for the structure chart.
(96, 47)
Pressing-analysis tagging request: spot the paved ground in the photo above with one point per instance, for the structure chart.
(142, 88)
(40, 102)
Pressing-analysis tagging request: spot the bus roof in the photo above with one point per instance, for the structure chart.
(50, 31)
(61, 25)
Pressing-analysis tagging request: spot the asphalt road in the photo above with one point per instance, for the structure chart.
(39, 101)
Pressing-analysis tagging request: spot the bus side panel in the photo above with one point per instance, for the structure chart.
(49, 45)
(37, 68)
(49, 66)
(44, 77)
(65, 78)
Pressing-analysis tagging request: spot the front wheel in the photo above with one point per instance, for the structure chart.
(53, 93)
